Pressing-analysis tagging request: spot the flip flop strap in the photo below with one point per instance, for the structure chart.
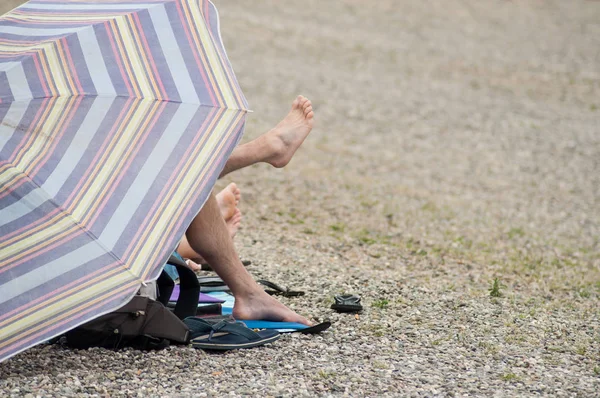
(226, 326)
(350, 299)
(237, 329)
(216, 327)
(272, 285)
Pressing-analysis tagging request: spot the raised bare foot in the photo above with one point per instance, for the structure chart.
(264, 307)
(285, 138)
(228, 200)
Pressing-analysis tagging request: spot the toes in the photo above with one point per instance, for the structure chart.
(310, 115)
(237, 193)
(299, 319)
(308, 110)
(231, 188)
(297, 101)
(237, 215)
(193, 266)
(302, 102)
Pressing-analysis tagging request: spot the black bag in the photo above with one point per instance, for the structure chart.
(142, 323)
(189, 289)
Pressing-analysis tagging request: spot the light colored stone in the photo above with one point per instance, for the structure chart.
(456, 142)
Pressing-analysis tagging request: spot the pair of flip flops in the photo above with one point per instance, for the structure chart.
(226, 334)
(347, 303)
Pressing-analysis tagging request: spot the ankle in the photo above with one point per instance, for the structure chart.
(245, 290)
(276, 149)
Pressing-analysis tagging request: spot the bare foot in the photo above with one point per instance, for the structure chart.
(285, 138)
(233, 224)
(264, 307)
(228, 200)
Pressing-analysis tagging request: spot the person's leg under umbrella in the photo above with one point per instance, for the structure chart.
(276, 147)
(228, 200)
(209, 237)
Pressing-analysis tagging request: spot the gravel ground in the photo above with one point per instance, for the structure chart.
(458, 142)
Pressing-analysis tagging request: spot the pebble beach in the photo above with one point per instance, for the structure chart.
(452, 181)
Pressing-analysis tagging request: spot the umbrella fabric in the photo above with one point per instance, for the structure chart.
(116, 118)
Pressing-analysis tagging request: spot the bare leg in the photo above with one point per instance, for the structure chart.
(193, 259)
(208, 236)
(227, 200)
(278, 145)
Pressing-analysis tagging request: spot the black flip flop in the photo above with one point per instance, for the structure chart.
(224, 335)
(276, 290)
(347, 303)
(318, 328)
(212, 284)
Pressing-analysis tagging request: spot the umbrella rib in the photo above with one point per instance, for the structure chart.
(19, 101)
(70, 216)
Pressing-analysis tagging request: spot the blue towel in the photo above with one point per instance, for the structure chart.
(274, 325)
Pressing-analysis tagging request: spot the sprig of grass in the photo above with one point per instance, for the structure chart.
(509, 377)
(495, 288)
(381, 304)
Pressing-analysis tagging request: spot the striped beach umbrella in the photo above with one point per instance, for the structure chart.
(116, 118)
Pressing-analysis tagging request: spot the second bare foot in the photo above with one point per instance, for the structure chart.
(290, 133)
(233, 224)
(228, 200)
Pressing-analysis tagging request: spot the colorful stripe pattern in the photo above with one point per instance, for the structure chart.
(116, 118)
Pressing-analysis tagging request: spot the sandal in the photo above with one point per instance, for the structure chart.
(347, 303)
(225, 334)
(275, 289)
